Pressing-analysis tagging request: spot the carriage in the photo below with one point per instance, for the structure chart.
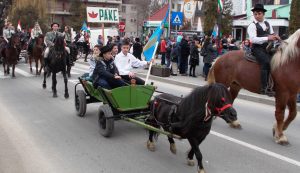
(130, 103)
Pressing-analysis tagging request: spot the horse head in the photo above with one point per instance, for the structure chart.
(59, 43)
(219, 103)
(40, 40)
(15, 41)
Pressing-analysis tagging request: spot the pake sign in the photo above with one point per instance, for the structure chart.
(102, 15)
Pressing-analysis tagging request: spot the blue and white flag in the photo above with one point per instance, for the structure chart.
(84, 26)
(150, 47)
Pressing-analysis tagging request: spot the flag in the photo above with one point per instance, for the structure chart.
(220, 5)
(215, 32)
(84, 26)
(150, 47)
(19, 25)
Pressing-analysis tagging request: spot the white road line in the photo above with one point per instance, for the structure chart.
(22, 72)
(78, 69)
(256, 148)
(82, 66)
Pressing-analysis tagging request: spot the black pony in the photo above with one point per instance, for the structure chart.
(191, 117)
(57, 62)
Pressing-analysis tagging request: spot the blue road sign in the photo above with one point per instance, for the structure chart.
(177, 18)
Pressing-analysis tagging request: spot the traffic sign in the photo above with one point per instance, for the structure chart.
(177, 18)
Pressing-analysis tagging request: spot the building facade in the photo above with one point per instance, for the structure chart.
(278, 14)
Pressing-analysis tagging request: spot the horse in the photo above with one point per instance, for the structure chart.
(37, 55)
(190, 117)
(57, 62)
(10, 53)
(235, 72)
(72, 57)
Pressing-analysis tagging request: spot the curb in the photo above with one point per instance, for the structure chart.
(248, 97)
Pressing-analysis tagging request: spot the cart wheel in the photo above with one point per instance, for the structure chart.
(80, 103)
(106, 120)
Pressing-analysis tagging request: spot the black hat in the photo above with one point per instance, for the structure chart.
(105, 49)
(54, 24)
(259, 7)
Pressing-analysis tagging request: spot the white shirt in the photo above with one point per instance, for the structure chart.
(252, 32)
(125, 63)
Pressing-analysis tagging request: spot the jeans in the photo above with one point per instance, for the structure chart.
(206, 68)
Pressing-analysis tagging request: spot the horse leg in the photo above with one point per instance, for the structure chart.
(234, 91)
(40, 71)
(190, 156)
(3, 63)
(69, 71)
(66, 84)
(36, 66)
(44, 82)
(13, 70)
(150, 143)
(292, 111)
(54, 85)
(195, 147)
(172, 145)
(30, 64)
(281, 102)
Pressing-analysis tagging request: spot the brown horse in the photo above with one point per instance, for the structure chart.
(10, 53)
(37, 55)
(235, 72)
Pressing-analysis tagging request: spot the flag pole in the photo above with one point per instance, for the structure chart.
(150, 66)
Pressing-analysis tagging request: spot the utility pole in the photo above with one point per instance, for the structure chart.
(169, 22)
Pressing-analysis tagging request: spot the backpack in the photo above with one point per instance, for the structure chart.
(203, 52)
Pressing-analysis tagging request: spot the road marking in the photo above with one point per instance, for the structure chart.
(78, 69)
(256, 148)
(22, 72)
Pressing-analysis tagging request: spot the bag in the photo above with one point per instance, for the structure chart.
(203, 52)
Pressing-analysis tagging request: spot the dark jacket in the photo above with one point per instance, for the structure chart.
(194, 58)
(137, 50)
(104, 70)
(185, 49)
(211, 53)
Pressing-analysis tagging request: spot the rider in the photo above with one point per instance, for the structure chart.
(49, 41)
(260, 32)
(35, 33)
(8, 31)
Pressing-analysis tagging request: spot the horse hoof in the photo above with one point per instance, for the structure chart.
(151, 146)
(235, 124)
(281, 140)
(201, 171)
(54, 95)
(190, 162)
(173, 148)
(67, 95)
(44, 86)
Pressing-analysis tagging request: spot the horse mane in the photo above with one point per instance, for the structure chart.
(287, 51)
(59, 44)
(192, 108)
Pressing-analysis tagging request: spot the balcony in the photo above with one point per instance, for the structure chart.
(59, 11)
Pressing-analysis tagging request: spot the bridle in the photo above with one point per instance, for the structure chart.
(218, 109)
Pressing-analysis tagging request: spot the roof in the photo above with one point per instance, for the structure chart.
(159, 14)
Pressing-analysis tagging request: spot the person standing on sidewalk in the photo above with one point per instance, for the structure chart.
(211, 52)
(137, 49)
(185, 52)
(163, 50)
(194, 57)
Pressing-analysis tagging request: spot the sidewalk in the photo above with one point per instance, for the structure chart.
(193, 82)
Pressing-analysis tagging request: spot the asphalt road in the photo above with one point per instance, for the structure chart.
(41, 134)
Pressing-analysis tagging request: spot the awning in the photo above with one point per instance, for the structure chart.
(273, 22)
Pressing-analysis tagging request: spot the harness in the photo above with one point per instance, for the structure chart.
(219, 110)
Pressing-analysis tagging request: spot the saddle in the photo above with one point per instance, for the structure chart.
(251, 58)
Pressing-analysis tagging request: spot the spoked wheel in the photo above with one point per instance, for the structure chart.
(105, 120)
(80, 103)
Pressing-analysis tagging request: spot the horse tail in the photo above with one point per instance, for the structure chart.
(211, 76)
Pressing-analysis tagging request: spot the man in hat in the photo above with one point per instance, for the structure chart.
(260, 32)
(49, 42)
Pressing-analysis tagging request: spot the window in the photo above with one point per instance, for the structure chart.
(284, 2)
(124, 9)
(173, 6)
(133, 8)
(265, 2)
(178, 7)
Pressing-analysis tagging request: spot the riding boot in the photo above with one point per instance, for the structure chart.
(264, 83)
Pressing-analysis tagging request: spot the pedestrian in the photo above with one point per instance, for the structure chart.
(137, 49)
(184, 55)
(246, 46)
(232, 45)
(100, 40)
(163, 50)
(211, 52)
(115, 50)
(194, 56)
(168, 52)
